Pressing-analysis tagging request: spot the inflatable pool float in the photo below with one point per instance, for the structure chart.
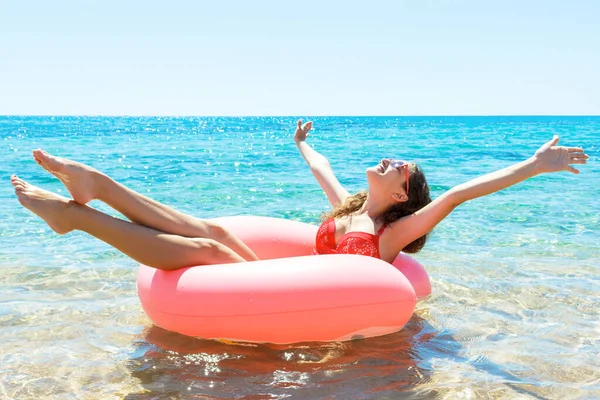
(290, 295)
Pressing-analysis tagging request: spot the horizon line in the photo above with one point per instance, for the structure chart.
(298, 115)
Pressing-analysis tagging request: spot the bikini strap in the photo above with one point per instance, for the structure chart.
(380, 231)
(331, 231)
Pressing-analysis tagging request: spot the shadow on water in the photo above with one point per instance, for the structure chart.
(170, 365)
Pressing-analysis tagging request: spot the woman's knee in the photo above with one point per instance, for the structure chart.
(217, 232)
(212, 251)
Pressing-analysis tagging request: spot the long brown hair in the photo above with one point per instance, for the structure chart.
(418, 197)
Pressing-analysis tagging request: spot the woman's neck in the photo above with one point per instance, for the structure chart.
(374, 206)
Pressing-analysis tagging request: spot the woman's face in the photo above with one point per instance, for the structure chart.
(390, 174)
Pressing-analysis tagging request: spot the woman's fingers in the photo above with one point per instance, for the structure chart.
(575, 149)
(581, 156)
(578, 161)
(300, 124)
(573, 170)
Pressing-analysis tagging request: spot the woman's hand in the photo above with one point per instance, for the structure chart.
(553, 158)
(302, 131)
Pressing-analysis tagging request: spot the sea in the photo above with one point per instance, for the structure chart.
(515, 306)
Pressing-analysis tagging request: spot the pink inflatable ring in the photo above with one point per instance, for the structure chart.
(289, 296)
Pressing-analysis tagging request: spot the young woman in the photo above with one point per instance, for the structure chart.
(394, 215)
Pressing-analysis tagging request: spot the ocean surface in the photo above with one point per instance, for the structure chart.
(514, 311)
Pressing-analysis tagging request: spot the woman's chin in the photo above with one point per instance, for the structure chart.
(373, 171)
(373, 176)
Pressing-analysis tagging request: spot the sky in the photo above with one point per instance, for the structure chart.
(309, 58)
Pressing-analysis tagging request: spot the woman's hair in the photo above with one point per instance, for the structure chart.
(418, 197)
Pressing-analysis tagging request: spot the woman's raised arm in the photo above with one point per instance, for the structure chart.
(319, 166)
(549, 158)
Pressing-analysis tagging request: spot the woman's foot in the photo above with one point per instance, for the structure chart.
(48, 206)
(79, 179)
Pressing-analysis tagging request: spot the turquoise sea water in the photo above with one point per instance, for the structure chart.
(514, 311)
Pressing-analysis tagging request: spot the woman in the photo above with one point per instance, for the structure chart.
(394, 215)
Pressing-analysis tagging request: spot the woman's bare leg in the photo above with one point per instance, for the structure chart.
(145, 245)
(86, 183)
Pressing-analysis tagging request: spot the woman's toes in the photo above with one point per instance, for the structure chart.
(36, 156)
(38, 153)
(48, 162)
(19, 188)
(17, 181)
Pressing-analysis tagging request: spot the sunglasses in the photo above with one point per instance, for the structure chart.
(399, 164)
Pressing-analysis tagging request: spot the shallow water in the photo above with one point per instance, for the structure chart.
(514, 311)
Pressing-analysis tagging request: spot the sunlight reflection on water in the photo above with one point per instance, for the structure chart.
(514, 311)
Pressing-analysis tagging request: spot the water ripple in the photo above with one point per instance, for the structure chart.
(513, 314)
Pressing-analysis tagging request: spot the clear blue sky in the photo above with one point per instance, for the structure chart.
(418, 57)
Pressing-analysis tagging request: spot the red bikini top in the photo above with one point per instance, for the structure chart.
(361, 243)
